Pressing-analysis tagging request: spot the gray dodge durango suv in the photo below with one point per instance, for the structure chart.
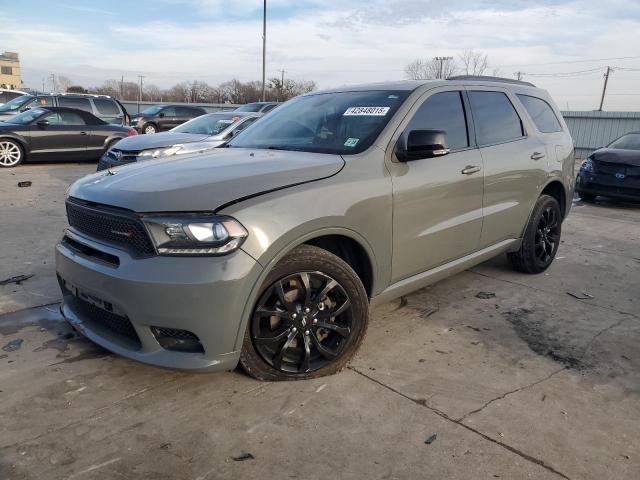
(270, 252)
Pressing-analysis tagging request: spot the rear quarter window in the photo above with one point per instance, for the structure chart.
(106, 106)
(541, 113)
(495, 119)
(79, 103)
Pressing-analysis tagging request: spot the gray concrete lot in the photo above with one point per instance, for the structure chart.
(531, 383)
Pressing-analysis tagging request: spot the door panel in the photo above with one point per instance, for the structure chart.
(65, 137)
(437, 210)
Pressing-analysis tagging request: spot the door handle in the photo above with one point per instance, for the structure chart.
(470, 169)
(537, 156)
(83, 133)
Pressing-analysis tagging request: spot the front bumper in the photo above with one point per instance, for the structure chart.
(627, 188)
(203, 295)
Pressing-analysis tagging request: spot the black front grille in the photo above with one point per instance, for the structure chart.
(115, 323)
(123, 156)
(606, 168)
(115, 228)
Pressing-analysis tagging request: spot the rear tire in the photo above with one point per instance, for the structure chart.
(309, 320)
(541, 238)
(149, 129)
(11, 153)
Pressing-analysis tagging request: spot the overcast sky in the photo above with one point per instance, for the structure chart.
(332, 42)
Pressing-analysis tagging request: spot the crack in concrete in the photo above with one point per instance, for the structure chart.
(553, 292)
(504, 395)
(520, 453)
(95, 414)
(604, 330)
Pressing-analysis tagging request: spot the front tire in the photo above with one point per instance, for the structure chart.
(11, 153)
(541, 238)
(309, 320)
(587, 197)
(149, 129)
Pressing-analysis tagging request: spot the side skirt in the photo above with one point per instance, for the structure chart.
(436, 274)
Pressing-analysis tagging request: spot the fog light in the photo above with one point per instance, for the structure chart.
(177, 340)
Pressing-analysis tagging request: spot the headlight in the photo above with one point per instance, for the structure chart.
(587, 166)
(195, 234)
(179, 149)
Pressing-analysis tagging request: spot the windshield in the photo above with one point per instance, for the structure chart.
(250, 107)
(152, 110)
(27, 117)
(340, 123)
(211, 124)
(16, 103)
(630, 141)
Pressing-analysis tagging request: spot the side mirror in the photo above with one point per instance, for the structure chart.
(24, 109)
(161, 114)
(42, 123)
(419, 144)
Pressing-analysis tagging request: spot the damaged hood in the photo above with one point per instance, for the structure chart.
(617, 155)
(203, 182)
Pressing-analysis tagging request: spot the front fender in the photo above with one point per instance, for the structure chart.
(24, 143)
(112, 138)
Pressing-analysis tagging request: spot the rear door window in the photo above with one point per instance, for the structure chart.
(75, 102)
(443, 111)
(169, 111)
(541, 113)
(495, 119)
(106, 106)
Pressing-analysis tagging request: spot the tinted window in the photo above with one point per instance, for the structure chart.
(40, 102)
(269, 107)
(75, 102)
(169, 112)
(341, 123)
(188, 112)
(541, 114)
(15, 104)
(249, 107)
(244, 125)
(630, 141)
(443, 111)
(495, 118)
(71, 118)
(211, 124)
(106, 106)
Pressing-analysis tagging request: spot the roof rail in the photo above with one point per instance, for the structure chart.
(74, 94)
(484, 78)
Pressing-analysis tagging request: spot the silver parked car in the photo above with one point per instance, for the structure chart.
(270, 252)
(198, 135)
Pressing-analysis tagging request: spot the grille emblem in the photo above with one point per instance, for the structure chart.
(118, 155)
(121, 233)
(620, 176)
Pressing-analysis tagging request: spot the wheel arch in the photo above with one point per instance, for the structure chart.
(340, 241)
(19, 140)
(555, 189)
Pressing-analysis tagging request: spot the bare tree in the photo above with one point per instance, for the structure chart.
(430, 69)
(151, 93)
(63, 83)
(474, 63)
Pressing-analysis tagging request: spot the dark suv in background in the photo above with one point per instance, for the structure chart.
(257, 107)
(160, 118)
(102, 106)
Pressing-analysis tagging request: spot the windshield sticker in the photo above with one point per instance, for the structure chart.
(367, 111)
(227, 122)
(351, 142)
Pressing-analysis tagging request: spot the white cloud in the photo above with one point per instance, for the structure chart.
(353, 42)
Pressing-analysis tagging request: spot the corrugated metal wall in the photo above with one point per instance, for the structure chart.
(591, 130)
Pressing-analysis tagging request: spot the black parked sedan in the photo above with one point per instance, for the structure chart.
(613, 171)
(56, 133)
(160, 118)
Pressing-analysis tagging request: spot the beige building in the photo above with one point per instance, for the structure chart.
(10, 71)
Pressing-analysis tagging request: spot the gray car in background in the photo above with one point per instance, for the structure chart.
(269, 252)
(203, 133)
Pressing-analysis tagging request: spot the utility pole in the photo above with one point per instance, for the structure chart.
(604, 88)
(53, 82)
(122, 87)
(264, 49)
(140, 77)
(43, 85)
(283, 71)
(519, 75)
(442, 60)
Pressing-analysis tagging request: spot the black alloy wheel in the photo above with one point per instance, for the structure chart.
(309, 319)
(541, 238)
(302, 322)
(547, 234)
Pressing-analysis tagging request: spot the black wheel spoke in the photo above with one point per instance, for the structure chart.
(324, 314)
(270, 312)
(339, 329)
(277, 360)
(272, 339)
(279, 289)
(329, 285)
(324, 351)
(305, 365)
(306, 283)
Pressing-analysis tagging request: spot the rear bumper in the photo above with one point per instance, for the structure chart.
(203, 295)
(609, 186)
